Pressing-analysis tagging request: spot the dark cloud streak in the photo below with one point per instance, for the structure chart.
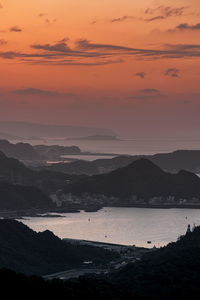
(172, 72)
(122, 19)
(39, 92)
(185, 26)
(141, 75)
(91, 54)
(150, 91)
(15, 29)
(164, 12)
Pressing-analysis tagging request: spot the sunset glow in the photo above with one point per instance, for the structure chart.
(132, 66)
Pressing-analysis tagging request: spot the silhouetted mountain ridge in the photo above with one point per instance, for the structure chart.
(22, 151)
(141, 178)
(172, 162)
(15, 172)
(27, 152)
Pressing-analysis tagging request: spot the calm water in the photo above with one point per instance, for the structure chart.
(121, 225)
(124, 225)
(88, 157)
(128, 146)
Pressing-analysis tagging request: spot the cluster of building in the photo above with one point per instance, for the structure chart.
(86, 199)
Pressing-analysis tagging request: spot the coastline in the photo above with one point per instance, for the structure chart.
(57, 212)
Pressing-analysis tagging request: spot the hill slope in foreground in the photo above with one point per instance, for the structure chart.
(24, 250)
(172, 272)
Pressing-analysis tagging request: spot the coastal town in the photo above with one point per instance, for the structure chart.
(95, 202)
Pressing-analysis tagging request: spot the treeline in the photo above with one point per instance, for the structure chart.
(172, 272)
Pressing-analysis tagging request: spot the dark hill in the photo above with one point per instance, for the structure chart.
(172, 272)
(55, 152)
(16, 197)
(28, 153)
(21, 151)
(173, 162)
(24, 250)
(15, 172)
(79, 167)
(141, 178)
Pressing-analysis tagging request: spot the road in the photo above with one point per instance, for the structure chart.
(73, 273)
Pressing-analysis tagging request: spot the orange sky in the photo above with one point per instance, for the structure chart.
(133, 66)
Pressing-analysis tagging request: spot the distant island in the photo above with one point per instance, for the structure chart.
(26, 129)
(172, 162)
(8, 136)
(98, 137)
(27, 152)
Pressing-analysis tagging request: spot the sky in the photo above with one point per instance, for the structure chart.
(132, 66)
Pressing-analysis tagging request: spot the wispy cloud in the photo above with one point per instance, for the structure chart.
(163, 12)
(185, 26)
(122, 19)
(47, 20)
(3, 42)
(39, 92)
(42, 15)
(15, 29)
(150, 91)
(34, 91)
(160, 12)
(57, 47)
(141, 75)
(87, 53)
(172, 72)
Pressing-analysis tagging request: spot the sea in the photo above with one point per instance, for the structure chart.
(145, 227)
(142, 227)
(128, 146)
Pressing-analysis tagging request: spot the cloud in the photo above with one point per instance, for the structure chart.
(172, 72)
(141, 75)
(68, 62)
(15, 29)
(50, 21)
(3, 42)
(185, 26)
(160, 12)
(84, 44)
(163, 12)
(58, 47)
(34, 91)
(86, 53)
(42, 15)
(38, 92)
(168, 50)
(150, 91)
(47, 19)
(122, 19)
